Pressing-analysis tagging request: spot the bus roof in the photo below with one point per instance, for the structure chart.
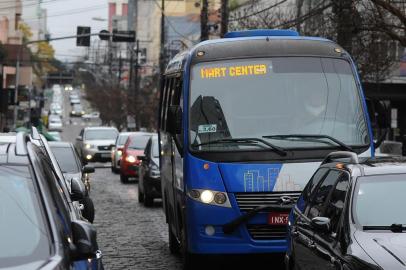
(256, 46)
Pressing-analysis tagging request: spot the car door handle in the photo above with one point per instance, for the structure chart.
(311, 245)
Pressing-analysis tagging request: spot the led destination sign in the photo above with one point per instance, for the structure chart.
(233, 71)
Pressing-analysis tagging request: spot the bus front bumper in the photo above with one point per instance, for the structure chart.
(206, 236)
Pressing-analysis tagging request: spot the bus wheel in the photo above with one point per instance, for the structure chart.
(189, 260)
(173, 242)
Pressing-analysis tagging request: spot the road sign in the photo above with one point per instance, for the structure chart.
(83, 38)
(123, 36)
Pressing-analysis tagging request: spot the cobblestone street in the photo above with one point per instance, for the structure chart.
(130, 235)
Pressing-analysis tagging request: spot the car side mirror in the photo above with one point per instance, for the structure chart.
(88, 169)
(78, 189)
(79, 138)
(321, 224)
(84, 240)
(174, 124)
(142, 158)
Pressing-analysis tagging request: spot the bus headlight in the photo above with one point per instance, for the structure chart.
(211, 197)
(207, 196)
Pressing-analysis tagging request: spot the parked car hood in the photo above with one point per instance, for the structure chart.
(387, 249)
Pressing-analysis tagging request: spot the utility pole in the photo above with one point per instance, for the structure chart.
(224, 17)
(204, 19)
(162, 52)
(120, 66)
(137, 85)
(343, 11)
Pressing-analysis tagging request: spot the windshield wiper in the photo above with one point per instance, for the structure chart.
(277, 149)
(311, 136)
(398, 228)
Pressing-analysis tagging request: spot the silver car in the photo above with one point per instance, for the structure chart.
(95, 143)
(117, 151)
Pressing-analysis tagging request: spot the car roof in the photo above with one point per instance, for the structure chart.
(127, 133)
(141, 133)
(99, 128)
(375, 165)
(60, 144)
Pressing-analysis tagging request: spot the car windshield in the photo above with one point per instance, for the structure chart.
(155, 147)
(122, 139)
(66, 159)
(252, 98)
(77, 107)
(379, 200)
(101, 134)
(139, 141)
(23, 232)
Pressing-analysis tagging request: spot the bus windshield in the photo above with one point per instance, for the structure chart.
(271, 98)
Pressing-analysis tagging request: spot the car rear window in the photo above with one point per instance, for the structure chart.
(139, 141)
(24, 236)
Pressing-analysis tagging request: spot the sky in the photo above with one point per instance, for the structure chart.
(63, 18)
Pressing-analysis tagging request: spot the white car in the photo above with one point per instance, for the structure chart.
(91, 115)
(56, 135)
(55, 122)
(56, 108)
(75, 101)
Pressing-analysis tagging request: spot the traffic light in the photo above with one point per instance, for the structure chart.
(123, 36)
(83, 39)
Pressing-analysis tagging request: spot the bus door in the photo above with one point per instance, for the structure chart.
(172, 164)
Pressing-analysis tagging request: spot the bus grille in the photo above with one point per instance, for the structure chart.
(249, 201)
(267, 232)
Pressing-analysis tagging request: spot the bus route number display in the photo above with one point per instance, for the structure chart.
(233, 71)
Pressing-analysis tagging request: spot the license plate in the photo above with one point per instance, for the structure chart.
(277, 218)
(106, 155)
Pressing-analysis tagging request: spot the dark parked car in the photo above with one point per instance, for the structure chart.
(72, 168)
(149, 185)
(39, 228)
(351, 215)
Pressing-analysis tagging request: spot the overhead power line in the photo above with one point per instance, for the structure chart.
(70, 12)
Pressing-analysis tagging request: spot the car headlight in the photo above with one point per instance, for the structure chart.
(130, 159)
(89, 146)
(119, 152)
(211, 197)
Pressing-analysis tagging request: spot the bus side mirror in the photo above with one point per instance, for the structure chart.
(381, 120)
(174, 124)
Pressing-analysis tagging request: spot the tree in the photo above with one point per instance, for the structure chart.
(42, 55)
(359, 26)
(390, 18)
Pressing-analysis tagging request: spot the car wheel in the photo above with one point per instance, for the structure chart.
(88, 212)
(114, 170)
(140, 195)
(148, 200)
(123, 178)
(174, 246)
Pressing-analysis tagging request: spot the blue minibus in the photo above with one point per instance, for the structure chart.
(244, 123)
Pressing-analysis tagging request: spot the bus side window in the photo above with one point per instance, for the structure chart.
(176, 97)
(164, 105)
